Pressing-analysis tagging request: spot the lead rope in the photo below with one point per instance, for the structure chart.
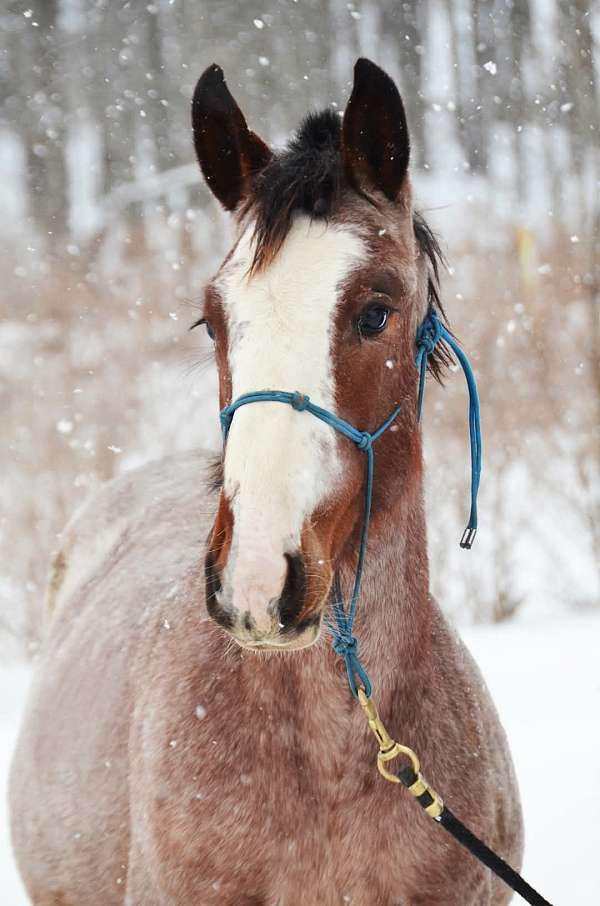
(344, 641)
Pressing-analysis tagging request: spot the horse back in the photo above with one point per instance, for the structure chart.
(69, 777)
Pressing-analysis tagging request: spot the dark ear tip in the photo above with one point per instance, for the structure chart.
(212, 77)
(214, 73)
(363, 66)
(366, 72)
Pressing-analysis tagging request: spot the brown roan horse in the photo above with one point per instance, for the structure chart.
(190, 737)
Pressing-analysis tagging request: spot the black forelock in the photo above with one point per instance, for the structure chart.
(306, 176)
(308, 173)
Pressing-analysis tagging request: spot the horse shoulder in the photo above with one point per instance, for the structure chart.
(98, 526)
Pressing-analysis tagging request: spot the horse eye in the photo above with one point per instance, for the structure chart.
(209, 329)
(372, 320)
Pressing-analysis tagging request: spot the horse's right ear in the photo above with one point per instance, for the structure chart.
(228, 152)
(376, 146)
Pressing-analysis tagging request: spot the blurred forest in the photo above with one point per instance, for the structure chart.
(108, 234)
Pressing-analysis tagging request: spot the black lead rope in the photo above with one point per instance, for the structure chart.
(476, 847)
(485, 855)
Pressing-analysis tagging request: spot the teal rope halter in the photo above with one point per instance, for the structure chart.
(429, 334)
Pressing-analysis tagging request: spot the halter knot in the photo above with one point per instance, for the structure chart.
(345, 646)
(299, 401)
(365, 442)
(429, 334)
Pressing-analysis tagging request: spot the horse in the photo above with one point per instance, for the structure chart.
(190, 736)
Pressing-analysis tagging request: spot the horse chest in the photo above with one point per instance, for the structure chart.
(269, 832)
(279, 808)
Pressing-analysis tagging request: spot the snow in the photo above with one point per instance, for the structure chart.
(545, 679)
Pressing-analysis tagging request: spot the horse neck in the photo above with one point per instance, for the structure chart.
(394, 608)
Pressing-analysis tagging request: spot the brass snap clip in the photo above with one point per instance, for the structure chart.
(389, 749)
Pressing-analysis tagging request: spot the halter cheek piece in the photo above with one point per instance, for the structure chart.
(429, 335)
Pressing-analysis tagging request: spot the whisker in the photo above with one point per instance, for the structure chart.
(198, 363)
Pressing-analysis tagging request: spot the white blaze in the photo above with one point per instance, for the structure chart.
(280, 463)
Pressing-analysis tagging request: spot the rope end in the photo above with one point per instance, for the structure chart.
(466, 542)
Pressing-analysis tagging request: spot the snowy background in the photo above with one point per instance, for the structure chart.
(107, 235)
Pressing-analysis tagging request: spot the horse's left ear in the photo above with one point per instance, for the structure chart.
(228, 152)
(376, 146)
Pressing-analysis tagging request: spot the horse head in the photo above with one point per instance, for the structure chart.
(322, 294)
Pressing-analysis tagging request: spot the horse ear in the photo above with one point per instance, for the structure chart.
(376, 146)
(228, 152)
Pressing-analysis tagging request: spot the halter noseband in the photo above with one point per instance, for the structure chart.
(429, 335)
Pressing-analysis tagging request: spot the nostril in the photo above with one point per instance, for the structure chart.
(294, 590)
(308, 623)
(295, 581)
(213, 587)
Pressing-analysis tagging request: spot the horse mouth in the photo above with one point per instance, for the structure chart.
(296, 642)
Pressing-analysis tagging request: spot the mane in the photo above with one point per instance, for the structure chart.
(429, 246)
(308, 177)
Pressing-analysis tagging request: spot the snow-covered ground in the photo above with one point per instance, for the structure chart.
(545, 678)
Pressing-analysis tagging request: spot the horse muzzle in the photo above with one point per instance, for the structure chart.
(262, 621)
